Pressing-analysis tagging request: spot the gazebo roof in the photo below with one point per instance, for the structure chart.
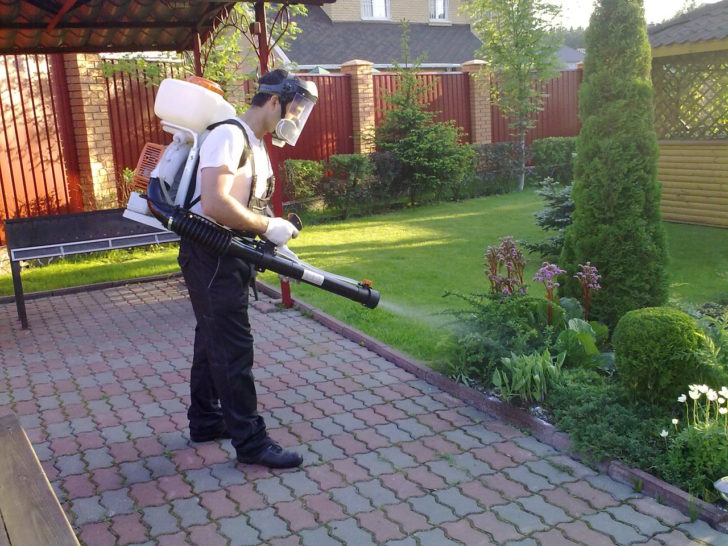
(706, 23)
(96, 26)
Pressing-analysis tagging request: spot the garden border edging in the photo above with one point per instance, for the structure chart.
(545, 432)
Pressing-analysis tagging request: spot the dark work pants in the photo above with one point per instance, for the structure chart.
(223, 351)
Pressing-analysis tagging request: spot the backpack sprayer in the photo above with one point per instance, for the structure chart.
(170, 179)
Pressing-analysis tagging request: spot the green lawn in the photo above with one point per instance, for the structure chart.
(413, 257)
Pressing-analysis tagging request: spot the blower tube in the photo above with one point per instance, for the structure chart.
(219, 241)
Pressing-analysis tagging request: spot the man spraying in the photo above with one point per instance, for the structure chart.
(234, 185)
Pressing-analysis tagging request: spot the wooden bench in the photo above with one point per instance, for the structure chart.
(30, 514)
(66, 234)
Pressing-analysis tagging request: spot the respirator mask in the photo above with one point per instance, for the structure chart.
(297, 98)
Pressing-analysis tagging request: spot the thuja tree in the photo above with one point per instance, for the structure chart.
(429, 153)
(616, 221)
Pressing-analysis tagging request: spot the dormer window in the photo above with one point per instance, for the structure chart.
(375, 9)
(438, 10)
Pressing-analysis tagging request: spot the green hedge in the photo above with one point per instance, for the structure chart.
(554, 157)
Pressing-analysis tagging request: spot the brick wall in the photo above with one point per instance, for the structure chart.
(89, 104)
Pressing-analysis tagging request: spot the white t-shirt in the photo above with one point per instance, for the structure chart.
(222, 147)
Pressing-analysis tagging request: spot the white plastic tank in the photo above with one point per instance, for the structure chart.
(194, 103)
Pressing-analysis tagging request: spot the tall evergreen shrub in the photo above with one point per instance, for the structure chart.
(616, 221)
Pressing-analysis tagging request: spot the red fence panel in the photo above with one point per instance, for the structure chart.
(33, 178)
(559, 116)
(131, 114)
(329, 130)
(448, 94)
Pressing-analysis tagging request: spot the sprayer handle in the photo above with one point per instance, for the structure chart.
(295, 220)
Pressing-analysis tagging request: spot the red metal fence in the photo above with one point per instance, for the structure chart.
(329, 130)
(448, 94)
(559, 116)
(131, 114)
(33, 178)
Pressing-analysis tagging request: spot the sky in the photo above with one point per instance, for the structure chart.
(575, 13)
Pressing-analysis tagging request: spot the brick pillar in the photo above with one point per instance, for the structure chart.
(92, 129)
(480, 120)
(362, 104)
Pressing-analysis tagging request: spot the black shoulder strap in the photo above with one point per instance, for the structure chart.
(189, 201)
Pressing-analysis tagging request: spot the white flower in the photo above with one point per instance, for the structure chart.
(721, 400)
(724, 392)
(722, 411)
(664, 433)
(674, 421)
(694, 395)
(703, 388)
(682, 398)
(712, 395)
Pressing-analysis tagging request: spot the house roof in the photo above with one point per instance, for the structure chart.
(95, 26)
(324, 42)
(708, 22)
(570, 55)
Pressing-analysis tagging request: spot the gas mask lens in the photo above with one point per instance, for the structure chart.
(289, 128)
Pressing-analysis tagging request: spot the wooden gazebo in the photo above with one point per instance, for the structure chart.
(689, 66)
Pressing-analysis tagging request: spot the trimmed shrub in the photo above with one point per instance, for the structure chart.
(347, 182)
(657, 353)
(616, 221)
(496, 168)
(302, 177)
(553, 157)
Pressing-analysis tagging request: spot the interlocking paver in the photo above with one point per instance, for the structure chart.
(349, 531)
(388, 457)
(318, 537)
(376, 493)
(621, 533)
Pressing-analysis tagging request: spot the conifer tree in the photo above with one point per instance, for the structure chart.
(616, 221)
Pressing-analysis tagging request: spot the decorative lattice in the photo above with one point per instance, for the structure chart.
(691, 96)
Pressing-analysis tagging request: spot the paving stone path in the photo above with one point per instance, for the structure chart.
(100, 385)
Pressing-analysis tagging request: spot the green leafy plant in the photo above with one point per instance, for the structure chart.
(697, 453)
(578, 341)
(604, 421)
(491, 328)
(528, 376)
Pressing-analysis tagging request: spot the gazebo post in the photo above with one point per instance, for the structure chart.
(263, 52)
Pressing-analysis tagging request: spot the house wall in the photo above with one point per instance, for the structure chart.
(415, 11)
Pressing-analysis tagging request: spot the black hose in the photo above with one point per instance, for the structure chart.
(220, 241)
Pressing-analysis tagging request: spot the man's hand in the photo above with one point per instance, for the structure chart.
(280, 231)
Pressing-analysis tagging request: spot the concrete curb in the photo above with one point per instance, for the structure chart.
(539, 429)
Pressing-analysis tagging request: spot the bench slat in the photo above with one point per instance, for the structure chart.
(30, 511)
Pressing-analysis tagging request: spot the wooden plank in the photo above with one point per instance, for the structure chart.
(689, 171)
(703, 205)
(679, 191)
(693, 215)
(689, 178)
(30, 511)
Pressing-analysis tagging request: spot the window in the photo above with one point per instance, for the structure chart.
(375, 9)
(438, 10)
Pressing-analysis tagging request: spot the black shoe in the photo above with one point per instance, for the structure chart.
(209, 435)
(273, 456)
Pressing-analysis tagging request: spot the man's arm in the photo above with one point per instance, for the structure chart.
(218, 204)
